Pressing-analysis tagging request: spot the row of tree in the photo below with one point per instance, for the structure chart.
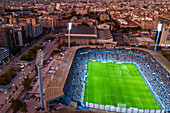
(49, 38)
(54, 52)
(17, 104)
(66, 44)
(31, 54)
(6, 77)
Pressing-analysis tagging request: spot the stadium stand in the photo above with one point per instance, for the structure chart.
(156, 75)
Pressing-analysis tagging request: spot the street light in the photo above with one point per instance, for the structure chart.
(159, 29)
(69, 29)
(39, 62)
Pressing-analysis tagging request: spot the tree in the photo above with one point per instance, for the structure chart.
(31, 54)
(16, 104)
(49, 38)
(26, 83)
(98, 19)
(85, 24)
(73, 13)
(59, 46)
(24, 109)
(35, 68)
(16, 51)
(44, 62)
(6, 77)
(13, 92)
(73, 44)
(54, 52)
(16, 88)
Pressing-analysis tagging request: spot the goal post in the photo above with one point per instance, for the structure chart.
(121, 105)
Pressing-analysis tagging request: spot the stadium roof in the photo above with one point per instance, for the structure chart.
(83, 30)
(55, 89)
(82, 37)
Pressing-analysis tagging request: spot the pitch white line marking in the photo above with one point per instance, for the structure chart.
(124, 96)
(140, 101)
(120, 73)
(128, 74)
(100, 99)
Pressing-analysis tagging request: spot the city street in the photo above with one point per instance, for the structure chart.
(17, 80)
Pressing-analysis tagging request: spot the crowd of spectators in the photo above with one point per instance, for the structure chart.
(156, 75)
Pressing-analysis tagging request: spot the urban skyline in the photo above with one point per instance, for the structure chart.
(119, 44)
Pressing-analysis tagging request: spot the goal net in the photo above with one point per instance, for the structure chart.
(121, 105)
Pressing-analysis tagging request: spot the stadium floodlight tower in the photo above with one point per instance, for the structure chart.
(159, 29)
(69, 29)
(39, 62)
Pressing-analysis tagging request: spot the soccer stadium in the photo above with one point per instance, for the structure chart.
(118, 80)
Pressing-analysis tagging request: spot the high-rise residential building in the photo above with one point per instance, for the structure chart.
(20, 35)
(34, 21)
(165, 36)
(5, 39)
(12, 35)
(37, 30)
(46, 22)
(28, 28)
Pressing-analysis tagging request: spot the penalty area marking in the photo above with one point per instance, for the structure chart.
(137, 98)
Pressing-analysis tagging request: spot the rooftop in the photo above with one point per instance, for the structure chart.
(144, 39)
(83, 30)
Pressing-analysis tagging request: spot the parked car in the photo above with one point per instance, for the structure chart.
(37, 108)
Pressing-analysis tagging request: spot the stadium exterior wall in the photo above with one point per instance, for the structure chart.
(120, 109)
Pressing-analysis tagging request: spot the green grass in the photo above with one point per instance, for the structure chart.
(112, 84)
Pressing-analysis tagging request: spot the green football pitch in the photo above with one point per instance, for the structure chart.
(112, 83)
